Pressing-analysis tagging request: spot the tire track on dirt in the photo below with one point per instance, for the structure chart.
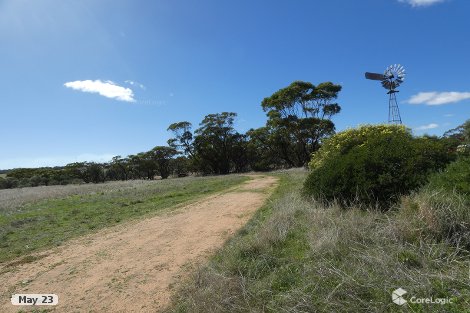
(132, 267)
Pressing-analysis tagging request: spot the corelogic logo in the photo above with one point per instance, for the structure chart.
(397, 296)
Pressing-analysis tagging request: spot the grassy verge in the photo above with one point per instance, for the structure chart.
(299, 256)
(49, 222)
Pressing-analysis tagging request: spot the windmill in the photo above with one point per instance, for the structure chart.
(393, 76)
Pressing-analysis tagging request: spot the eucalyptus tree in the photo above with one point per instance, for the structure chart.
(183, 138)
(299, 117)
(215, 143)
(162, 157)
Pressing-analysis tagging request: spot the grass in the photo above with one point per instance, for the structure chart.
(300, 256)
(48, 216)
(17, 197)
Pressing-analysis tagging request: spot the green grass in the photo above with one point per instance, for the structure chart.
(300, 256)
(41, 224)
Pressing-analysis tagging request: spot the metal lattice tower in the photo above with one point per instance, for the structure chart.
(393, 76)
(393, 111)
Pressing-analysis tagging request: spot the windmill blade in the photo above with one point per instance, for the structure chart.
(374, 76)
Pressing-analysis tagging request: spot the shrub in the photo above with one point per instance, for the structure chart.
(373, 165)
(455, 177)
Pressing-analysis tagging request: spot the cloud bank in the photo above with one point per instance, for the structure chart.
(106, 89)
(421, 3)
(438, 98)
(427, 127)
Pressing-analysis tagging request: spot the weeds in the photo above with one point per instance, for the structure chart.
(299, 256)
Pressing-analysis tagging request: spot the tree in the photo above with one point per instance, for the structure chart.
(95, 172)
(263, 153)
(299, 117)
(162, 156)
(183, 140)
(181, 166)
(459, 137)
(118, 168)
(215, 141)
(143, 165)
(239, 152)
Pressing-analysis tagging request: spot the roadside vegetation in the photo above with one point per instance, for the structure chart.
(378, 210)
(300, 255)
(374, 165)
(48, 216)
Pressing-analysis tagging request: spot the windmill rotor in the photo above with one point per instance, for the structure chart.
(393, 76)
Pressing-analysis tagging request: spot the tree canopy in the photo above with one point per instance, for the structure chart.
(299, 117)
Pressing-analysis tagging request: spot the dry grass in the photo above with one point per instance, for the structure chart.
(438, 215)
(299, 256)
(17, 197)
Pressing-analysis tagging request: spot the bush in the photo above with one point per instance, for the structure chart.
(11, 183)
(455, 177)
(374, 165)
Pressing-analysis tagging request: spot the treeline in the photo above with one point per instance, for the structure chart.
(298, 118)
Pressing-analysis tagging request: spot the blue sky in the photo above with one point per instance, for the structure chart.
(86, 80)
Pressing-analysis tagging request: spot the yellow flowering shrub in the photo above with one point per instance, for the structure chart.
(373, 165)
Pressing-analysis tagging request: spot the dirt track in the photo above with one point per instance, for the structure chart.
(132, 267)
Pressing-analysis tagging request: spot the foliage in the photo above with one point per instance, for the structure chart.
(118, 168)
(263, 153)
(374, 165)
(214, 142)
(3, 183)
(183, 140)
(181, 166)
(455, 177)
(162, 157)
(299, 117)
(460, 136)
(300, 256)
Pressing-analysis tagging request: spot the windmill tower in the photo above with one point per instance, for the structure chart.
(393, 76)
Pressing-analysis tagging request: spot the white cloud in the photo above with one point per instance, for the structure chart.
(421, 3)
(448, 115)
(106, 89)
(427, 127)
(438, 98)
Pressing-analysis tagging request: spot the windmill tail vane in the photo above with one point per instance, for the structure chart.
(393, 76)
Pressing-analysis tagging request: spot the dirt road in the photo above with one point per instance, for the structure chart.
(133, 267)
